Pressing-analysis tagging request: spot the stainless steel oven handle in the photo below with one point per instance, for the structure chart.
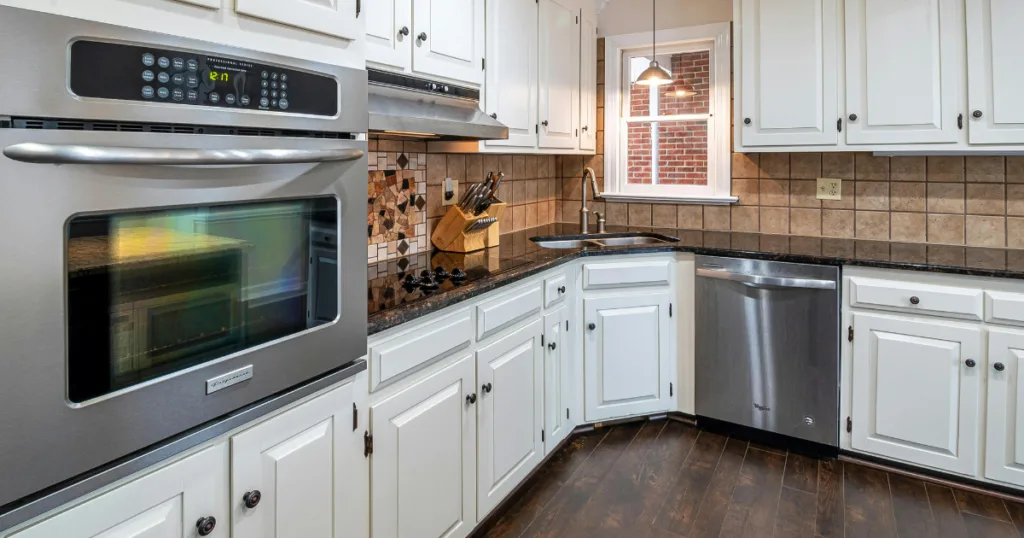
(761, 280)
(31, 152)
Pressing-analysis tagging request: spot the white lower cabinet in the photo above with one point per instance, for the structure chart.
(290, 474)
(558, 377)
(423, 468)
(917, 391)
(168, 503)
(510, 413)
(1004, 441)
(628, 355)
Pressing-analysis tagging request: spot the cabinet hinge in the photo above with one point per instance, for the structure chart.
(670, 310)
(536, 128)
(542, 340)
(849, 333)
(849, 425)
(577, 19)
(566, 413)
(960, 122)
(355, 417)
(566, 325)
(542, 436)
(839, 125)
(483, 64)
(671, 390)
(577, 132)
(367, 445)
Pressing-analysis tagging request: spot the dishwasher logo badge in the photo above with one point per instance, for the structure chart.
(760, 407)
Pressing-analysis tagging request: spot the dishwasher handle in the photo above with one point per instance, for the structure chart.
(763, 280)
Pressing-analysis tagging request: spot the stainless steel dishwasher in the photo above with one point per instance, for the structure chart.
(767, 346)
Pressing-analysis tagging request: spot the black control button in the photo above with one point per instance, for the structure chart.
(178, 79)
(163, 93)
(148, 75)
(264, 74)
(148, 60)
(178, 94)
(264, 92)
(264, 83)
(163, 77)
(191, 81)
(284, 86)
(273, 102)
(178, 63)
(273, 76)
(214, 97)
(273, 94)
(244, 100)
(192, 95)
(273, 84)
(163, 62)
(284, 95)
(229, 98)
(147, 92)
(192, 65)
(283, 103)
(284, 77)
(264, 102)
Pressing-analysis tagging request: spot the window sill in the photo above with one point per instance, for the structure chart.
(645, 198)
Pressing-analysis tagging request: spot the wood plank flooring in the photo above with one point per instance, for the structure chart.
(664, 479)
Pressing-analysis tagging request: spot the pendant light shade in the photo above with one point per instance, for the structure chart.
(655, 75)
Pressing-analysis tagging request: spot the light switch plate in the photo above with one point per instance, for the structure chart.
(449, 192)
(830, 188)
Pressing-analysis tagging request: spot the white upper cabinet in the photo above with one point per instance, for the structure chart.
(1004, 447)
(448, 39)
(904, 70)
(389, 33)
(588, 83)
(330, 17)
(559, 76)
(917, 391)
(789, 61)
(995, 68)
(510, 90)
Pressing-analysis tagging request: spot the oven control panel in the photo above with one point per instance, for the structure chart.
(152, 74)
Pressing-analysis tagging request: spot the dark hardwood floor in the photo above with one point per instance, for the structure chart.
(665, 479)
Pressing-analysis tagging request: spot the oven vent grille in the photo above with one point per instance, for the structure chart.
(164, 128)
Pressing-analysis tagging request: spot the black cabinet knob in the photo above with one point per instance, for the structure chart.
(544, 123)
(494, 115)
(251, 499)
(471, 399)
(486, 387)
(561, 289)
(999, 366)
(552, 346)
(746, 121)
(970, 363)
(592, 326)
(915, 300)
(423, 36)
(853, 117)
(404, 31)
(977, 114)
(205, 525)
(585, 128)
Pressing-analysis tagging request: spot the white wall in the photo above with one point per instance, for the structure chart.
(628, 16)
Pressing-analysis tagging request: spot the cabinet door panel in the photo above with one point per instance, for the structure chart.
(559, 76)
(511, 88)
(995, 70)
(331, 17)
(454, 46)
(789, 70)
(385, 44)
(1004, 446)
(510, 413)
(557, 379)
(588, 84)
(423, 467)
(914, 396)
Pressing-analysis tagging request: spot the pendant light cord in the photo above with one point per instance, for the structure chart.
(654, 30)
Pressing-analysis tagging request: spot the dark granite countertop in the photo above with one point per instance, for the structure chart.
(390, 304)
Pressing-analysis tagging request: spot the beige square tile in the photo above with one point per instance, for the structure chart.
(457, 167)
(805, 165)
(803, 193)
(908, 227)
(618, 214)
(986, 231)
(746, 190)
(872, 225)
(805, 222)
(474, 167)
(639, 214)
(986, 199)
(595, 162)
(907, 169)
(519, 193)
(837, 223)
(837, 165)
(523, 167)
(437, 168)
(871, 168)
(415, 147)
(519, 217)
(434, 198)
(663, 215)
(945, 198)
(1015, 200)
(986, 169)
(532, 191)
(572, 166)
(872, 195)
(946, 169)
(744, 219)
(908, 196)
(775, 192)
(775, 165)
(394, 146)
(690, 217)
(531, 215)
(774, 220)
(946, 229)
(1015, 232)
(1015, 169)
(849, 197)
(717, 217)
(544, 215)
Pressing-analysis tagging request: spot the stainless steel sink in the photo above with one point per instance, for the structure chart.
(560, 243)
(600, 241)
(629, 241)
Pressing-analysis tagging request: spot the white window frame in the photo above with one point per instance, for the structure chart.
(714, 38)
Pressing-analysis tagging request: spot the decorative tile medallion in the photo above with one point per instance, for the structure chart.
(395, 206)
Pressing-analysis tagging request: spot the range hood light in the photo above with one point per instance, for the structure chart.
(410, 134)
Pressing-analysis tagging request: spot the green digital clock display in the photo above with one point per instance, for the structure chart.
(220, 76)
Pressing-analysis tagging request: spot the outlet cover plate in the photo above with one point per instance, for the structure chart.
(830, 188)
(449, 192)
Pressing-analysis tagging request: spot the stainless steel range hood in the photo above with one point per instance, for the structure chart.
(409, 107)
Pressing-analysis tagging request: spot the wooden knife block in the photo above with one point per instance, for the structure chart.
(450, 233)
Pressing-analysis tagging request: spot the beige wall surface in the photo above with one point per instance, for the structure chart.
(629, 16)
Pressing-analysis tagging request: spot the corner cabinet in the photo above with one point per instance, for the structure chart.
(559, 76)
(510, 90)
(558, 378)
(588, 82)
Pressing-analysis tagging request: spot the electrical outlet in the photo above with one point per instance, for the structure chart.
(450, 192)
(830, 188)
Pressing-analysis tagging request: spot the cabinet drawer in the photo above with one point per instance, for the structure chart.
(404, 353)
(555, 290)
(1003, 307)
(502, 311)
(932, 300)
(626, 274)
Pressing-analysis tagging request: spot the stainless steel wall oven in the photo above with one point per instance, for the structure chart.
(183, 236)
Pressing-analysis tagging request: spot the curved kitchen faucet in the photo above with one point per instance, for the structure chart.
(584, 212)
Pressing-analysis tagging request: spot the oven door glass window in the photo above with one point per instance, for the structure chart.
(150, 293)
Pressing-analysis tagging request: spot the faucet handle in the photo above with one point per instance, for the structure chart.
(600, 222)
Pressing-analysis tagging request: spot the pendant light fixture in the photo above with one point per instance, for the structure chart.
(655, 75)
